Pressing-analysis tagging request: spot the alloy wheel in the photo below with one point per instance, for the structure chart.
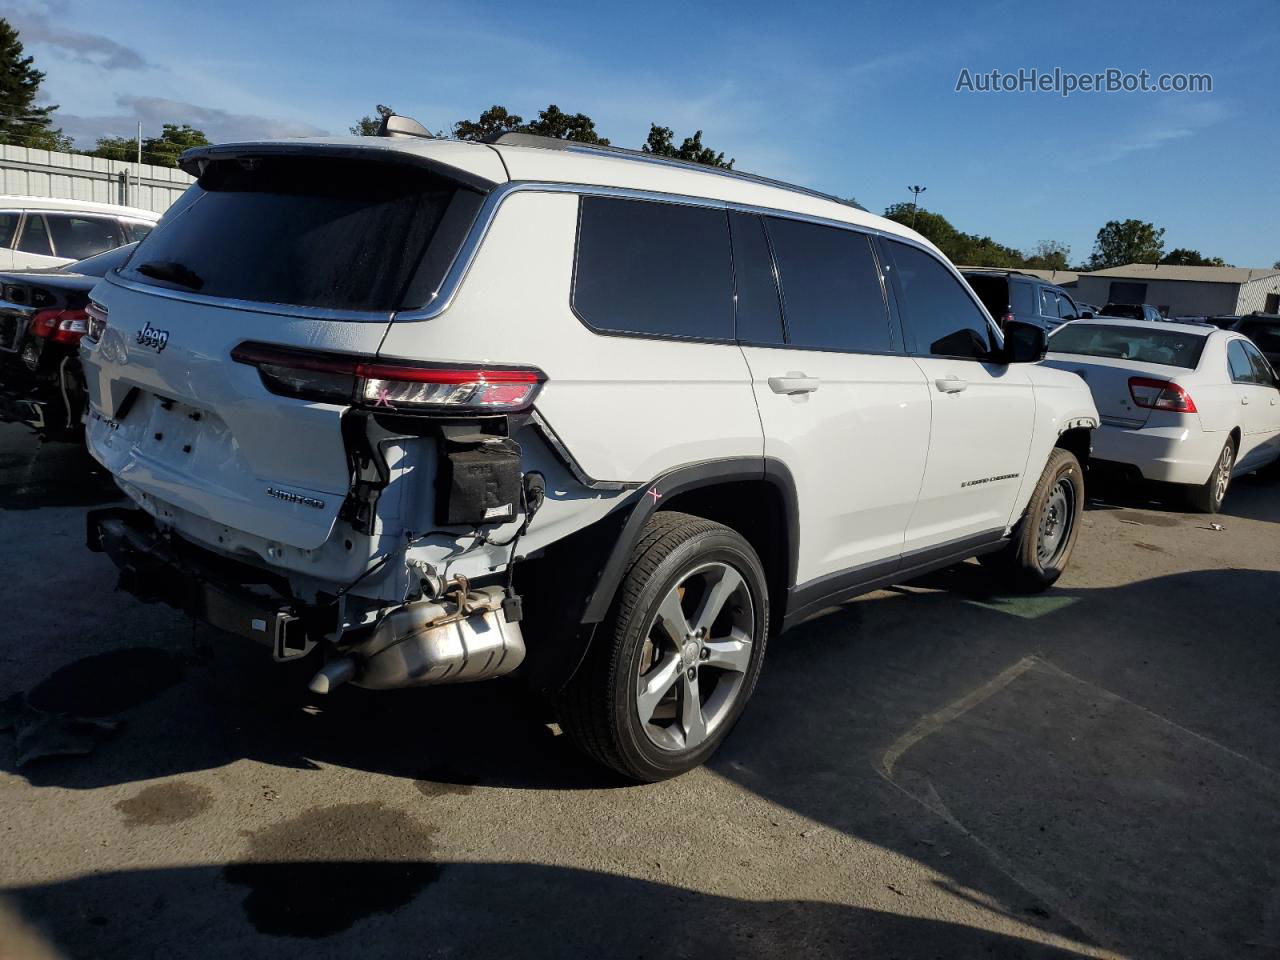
(694, 660)
(1223, 477)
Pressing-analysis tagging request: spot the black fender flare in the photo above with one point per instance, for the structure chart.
(645, 502)
(582, 572)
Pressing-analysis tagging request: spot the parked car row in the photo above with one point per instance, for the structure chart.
(618, 422)
(42, 320)
(1187, 404)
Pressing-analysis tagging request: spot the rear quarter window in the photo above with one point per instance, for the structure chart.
(654, 269)
(310, 231)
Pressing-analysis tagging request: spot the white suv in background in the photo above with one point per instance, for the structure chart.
(429, 411)
(42, 232)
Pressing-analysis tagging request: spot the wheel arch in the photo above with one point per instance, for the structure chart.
(570, 587)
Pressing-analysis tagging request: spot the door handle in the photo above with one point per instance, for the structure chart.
(1244, 399)
(793, 383)
(951, 384)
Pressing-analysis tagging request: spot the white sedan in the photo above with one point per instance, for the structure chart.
(1180, 403)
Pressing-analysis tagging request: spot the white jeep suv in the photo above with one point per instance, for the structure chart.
(428, 411)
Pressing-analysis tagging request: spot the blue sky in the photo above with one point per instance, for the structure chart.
(856, 99)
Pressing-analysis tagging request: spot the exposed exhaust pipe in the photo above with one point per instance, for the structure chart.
(461, 639)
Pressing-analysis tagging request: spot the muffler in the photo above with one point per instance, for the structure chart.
(460, 639)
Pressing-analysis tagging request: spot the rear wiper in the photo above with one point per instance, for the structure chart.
(172, 272)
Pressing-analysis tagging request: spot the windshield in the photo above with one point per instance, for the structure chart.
(1265, 333)
(310, 231)
(1173, 348)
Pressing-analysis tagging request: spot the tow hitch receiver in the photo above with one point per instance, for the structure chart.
(461, 638)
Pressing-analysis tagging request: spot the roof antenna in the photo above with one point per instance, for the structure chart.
(394, 125)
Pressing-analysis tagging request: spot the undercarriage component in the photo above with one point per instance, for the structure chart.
(463, 638)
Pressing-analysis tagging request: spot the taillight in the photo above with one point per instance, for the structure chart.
(390, 386)
(60, 326)
(97, 315)
(1160, 395)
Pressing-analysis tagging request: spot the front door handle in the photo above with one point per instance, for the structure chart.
(793, 383)
(951, 384)
(1244, 399)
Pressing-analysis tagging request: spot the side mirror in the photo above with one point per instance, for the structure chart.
(1024, 342)
(1086, 315)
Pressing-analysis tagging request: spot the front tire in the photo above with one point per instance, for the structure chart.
(672, 667)
(1044, 538)
(1208, 497)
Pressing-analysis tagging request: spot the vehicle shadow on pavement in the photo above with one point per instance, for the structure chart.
(1109, 752)
(35, 474)
(341, 908)
(1251, 497)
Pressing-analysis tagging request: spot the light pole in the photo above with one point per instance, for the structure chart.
(915, 201)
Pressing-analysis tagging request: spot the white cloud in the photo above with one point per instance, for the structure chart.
(218, 125)
(37, 28)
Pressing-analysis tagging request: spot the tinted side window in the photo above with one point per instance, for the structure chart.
(654, 268)
(1066, 309)
(831, 290)
(135, 231)
(1048, 302)
(35, 237)
(1021, 297)
(759, 318)
(8, 227)
(79, 237)
(1238, 360)
(938, 312)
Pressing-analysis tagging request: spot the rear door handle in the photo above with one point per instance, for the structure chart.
(951, 384)
(1244, 399)
(793, 383)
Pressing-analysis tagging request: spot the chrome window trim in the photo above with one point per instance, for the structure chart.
(465, 256)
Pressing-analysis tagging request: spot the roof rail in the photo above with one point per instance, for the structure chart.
(516, 139)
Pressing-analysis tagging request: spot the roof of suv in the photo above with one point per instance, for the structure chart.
(489, 164)
(12, 202)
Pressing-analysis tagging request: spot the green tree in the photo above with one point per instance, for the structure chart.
(1049, 255)
(366, 126)
(1128, 241)
(115, 148)
(554, 122)
(660, 142)
(967, 249)
(22, 123)
(1183, 257)
(495, 120)
(165, 149)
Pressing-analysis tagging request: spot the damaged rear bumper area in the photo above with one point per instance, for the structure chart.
(460, 637)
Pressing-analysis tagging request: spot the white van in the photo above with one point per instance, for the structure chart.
(42, 232)
(431, 411)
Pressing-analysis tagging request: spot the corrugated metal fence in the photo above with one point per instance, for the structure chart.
(69, 176)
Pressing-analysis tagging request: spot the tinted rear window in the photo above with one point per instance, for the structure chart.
(661, 269)
(310, 231)
(1142, 344)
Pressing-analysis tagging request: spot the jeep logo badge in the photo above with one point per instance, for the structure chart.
(153, 337)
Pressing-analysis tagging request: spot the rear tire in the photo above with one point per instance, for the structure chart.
(1208, 497)
(671, 668)
(1043, 540)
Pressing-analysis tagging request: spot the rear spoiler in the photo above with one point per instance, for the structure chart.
(196, 159)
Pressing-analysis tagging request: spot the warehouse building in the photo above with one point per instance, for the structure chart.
(1184, 291)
